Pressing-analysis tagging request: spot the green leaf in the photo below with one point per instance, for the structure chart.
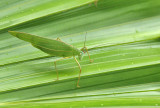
(123, 40)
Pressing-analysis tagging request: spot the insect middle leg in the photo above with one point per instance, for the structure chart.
(56, 67)
(79, 72)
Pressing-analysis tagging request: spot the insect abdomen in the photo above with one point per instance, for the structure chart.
(60, 53)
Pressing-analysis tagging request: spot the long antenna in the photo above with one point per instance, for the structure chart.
(85, 40)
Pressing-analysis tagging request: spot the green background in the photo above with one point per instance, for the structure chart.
(122, 38)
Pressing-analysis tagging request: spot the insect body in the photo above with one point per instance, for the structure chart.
(53, 47)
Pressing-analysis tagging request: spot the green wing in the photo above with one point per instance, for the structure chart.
(50, 46)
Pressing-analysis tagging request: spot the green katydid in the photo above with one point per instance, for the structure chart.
(53, 47)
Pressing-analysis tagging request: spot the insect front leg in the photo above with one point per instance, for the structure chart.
(56, 67)
(79, 72)
(88, 55)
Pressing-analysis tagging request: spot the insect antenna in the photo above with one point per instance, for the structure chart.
(85, 40)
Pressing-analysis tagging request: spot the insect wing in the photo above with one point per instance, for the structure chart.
(49, 46)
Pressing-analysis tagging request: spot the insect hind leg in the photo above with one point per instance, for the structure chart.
(56, 66)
